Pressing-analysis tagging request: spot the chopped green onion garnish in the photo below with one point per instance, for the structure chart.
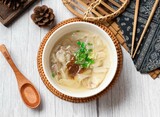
(83, 55)
(53, 75)
(90, 44)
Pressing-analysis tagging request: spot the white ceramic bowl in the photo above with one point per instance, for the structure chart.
(67, 29)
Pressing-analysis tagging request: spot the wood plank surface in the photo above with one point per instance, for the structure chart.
(134, 95)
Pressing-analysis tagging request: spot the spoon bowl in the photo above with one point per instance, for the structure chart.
(29, 95)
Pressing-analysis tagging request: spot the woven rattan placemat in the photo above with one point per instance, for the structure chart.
(96, 10)
(56, 92)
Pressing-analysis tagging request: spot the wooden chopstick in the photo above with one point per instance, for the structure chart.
(146, 26)
(135, 25)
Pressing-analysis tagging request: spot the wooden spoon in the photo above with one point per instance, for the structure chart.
(29, 94)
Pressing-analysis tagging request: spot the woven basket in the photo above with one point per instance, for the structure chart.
(96, 10)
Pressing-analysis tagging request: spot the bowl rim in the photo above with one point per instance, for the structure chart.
(97, 28)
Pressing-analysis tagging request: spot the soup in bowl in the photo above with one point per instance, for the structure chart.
(79, 59)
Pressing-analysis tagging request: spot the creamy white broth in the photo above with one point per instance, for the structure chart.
(83, 79)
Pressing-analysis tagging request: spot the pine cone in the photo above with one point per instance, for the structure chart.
(43, 16)
(14, 4)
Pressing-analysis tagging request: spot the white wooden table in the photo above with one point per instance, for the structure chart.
(134, 95)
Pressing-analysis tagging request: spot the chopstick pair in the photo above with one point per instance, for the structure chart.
(133, 53)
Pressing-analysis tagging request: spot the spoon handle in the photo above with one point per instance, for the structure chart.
(7, 56)
(20, 77)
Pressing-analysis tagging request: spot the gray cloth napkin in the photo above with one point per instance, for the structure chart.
(148, 56)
